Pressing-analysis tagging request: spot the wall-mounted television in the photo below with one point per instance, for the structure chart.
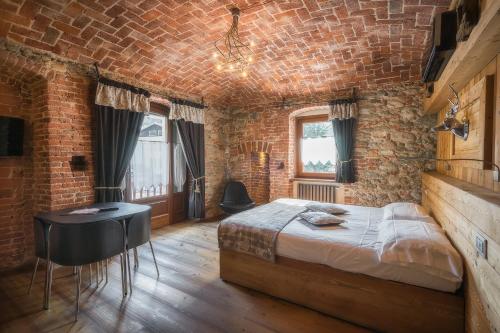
(11, 136)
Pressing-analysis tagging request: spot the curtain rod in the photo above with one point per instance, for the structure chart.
(169, 97)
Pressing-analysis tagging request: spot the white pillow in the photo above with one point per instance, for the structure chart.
(325, 207)
(420, 245)
(320, 218)
(406, 211)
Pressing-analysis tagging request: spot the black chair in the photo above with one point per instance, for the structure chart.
(139, 233)
(236, 198)
(77, 245)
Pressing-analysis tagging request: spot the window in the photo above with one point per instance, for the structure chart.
(149, 165)
(316, 152)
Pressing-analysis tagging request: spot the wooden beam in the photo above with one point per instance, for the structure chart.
(469, 57)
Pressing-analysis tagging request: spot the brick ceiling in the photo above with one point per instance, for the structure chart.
(303, 48)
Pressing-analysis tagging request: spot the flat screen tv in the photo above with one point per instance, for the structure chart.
(11, 136)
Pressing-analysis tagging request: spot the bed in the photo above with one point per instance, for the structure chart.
(336, 270)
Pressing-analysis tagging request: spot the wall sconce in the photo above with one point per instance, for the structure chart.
(450, 123)
(78, 163)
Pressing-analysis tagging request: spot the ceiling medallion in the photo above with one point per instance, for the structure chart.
(232, 54)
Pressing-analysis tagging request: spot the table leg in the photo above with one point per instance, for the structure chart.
(124, 258)
(48, 273)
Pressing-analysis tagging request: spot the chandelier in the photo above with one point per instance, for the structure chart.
(233, 54)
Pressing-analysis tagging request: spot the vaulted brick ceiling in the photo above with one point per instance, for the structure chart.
(303, 48)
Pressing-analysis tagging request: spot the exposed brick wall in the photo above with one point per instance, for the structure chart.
(16, 178)
(251, 167)
(216, 145)
(259, 177)
(390, 128)
(70, 129)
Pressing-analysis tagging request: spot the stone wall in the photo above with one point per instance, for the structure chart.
(391, 129)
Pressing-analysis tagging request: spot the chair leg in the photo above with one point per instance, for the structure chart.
(102, 270)
(78, 283)
(122, 266)
(106, 265)
(129, 275)
(90, 274)
(33, 275)
(50, 268)
(97, 274)
(154, 259)
(136, 259)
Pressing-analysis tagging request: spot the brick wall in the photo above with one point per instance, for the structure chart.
(259, 177)
(390, 129)
(16, 177)
(216, 145)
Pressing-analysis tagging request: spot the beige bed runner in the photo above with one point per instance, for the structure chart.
(255, 231)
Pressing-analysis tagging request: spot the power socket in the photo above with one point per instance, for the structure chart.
(481, 246)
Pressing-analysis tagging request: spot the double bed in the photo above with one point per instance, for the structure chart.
(337, 270)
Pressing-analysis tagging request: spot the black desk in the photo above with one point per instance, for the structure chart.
(123, 214)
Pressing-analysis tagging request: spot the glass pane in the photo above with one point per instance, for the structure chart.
(149, 165)
(318, 152)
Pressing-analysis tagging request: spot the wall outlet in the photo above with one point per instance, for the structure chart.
(481, 246)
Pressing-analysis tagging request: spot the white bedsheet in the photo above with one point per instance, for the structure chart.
(352, 247)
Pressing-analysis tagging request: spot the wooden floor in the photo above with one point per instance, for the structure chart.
(189, 296)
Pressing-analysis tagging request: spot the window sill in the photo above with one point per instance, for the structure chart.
(315, 180)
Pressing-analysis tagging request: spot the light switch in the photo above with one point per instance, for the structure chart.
(481, 246)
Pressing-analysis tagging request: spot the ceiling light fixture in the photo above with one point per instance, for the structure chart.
(233, 54)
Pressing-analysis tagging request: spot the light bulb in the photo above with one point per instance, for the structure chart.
(252, 43)
(244, 74)
(231, 67)
(215, 55)
(250, 59)
(219, 67)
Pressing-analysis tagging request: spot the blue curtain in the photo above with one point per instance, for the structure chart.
(343, 116)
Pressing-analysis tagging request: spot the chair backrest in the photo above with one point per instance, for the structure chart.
(236, 193)
(81, 244)
(139, 229)
(39, 229)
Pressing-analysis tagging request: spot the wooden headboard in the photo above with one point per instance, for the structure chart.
(465, 210)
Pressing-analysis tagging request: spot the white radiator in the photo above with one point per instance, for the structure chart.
(322, 191)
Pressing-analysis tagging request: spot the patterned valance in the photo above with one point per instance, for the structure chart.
(121, 96)
(188, 111)
(343, 109)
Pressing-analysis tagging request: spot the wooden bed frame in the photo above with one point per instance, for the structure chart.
(370, 302)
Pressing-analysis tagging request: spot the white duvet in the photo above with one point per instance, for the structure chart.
(353, 247)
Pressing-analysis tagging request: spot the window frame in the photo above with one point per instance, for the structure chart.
(299, 172)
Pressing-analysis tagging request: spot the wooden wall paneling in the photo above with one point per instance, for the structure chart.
(476, 102)
(466, 170)
(464, 211)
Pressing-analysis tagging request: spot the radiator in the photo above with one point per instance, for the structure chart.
(316, 190)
